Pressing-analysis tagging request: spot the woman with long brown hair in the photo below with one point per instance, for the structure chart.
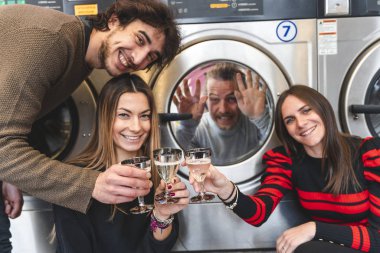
(126, 127)
(335, 176)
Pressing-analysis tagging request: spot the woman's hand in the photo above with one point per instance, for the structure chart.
(215, 182)
(163, 212)
(176, 189)
(294, 237)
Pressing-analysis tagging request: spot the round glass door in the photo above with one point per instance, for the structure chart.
(360, 97)
(53, 134)
(221, 121)
(239, 158)
(67, 129)
(373, 99)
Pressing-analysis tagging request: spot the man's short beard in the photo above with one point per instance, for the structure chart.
(103, 54)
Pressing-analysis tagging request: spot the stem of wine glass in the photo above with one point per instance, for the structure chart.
(141, 201)
(141, 198)
(202, 192)
(166, 192)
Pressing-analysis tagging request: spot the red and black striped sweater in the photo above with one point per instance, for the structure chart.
(352, 219)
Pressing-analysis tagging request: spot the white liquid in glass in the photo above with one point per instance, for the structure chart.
(199, 168)
(167, 170)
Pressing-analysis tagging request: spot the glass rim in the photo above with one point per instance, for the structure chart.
(197, 150)
(167, 151)
(135, 160)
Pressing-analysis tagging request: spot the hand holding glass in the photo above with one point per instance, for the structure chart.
(198, 160)
(141, 162)
(166, 161)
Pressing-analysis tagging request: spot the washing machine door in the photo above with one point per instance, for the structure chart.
(67, 129)
(360, 98)
(193, 62)
(60, 134)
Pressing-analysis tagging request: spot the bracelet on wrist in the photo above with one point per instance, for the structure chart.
(233, 203)
(233, 190)
(158, 223)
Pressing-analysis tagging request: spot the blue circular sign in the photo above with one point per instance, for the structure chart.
(286, 31)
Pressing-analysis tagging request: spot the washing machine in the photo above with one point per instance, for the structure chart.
(349, 63)
(62, 133)
(275, 39)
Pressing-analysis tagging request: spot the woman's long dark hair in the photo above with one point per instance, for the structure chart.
(101, 152)
(337, 154)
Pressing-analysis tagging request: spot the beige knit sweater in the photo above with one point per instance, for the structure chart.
(42, 55)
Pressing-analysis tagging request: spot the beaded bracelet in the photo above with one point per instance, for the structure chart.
(161, 224)
(231, 205)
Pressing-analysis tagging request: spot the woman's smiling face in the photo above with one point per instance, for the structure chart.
(132, 124)
(304, 125)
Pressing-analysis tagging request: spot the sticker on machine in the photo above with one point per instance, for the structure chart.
(85, 9)
(286, 31)
(327, 37)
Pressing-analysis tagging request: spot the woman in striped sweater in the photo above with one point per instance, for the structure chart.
(335, 176)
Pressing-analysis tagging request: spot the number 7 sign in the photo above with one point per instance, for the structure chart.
(286, 31)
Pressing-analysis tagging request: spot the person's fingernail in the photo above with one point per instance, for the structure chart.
(169, 186)
(172, 194)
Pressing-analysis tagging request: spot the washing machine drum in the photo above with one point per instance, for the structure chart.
(55, 133)
(373, 98)
(241, 162)
(360, 96)
(67, 129)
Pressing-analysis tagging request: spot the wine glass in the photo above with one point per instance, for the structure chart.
(198, 160)
(166, 161)
(141, 162)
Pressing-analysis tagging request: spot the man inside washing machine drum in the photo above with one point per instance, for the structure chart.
(45, 55)
(237, 118)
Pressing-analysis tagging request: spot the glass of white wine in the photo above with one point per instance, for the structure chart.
(198, 160)
(166, 161)
(141, 162)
